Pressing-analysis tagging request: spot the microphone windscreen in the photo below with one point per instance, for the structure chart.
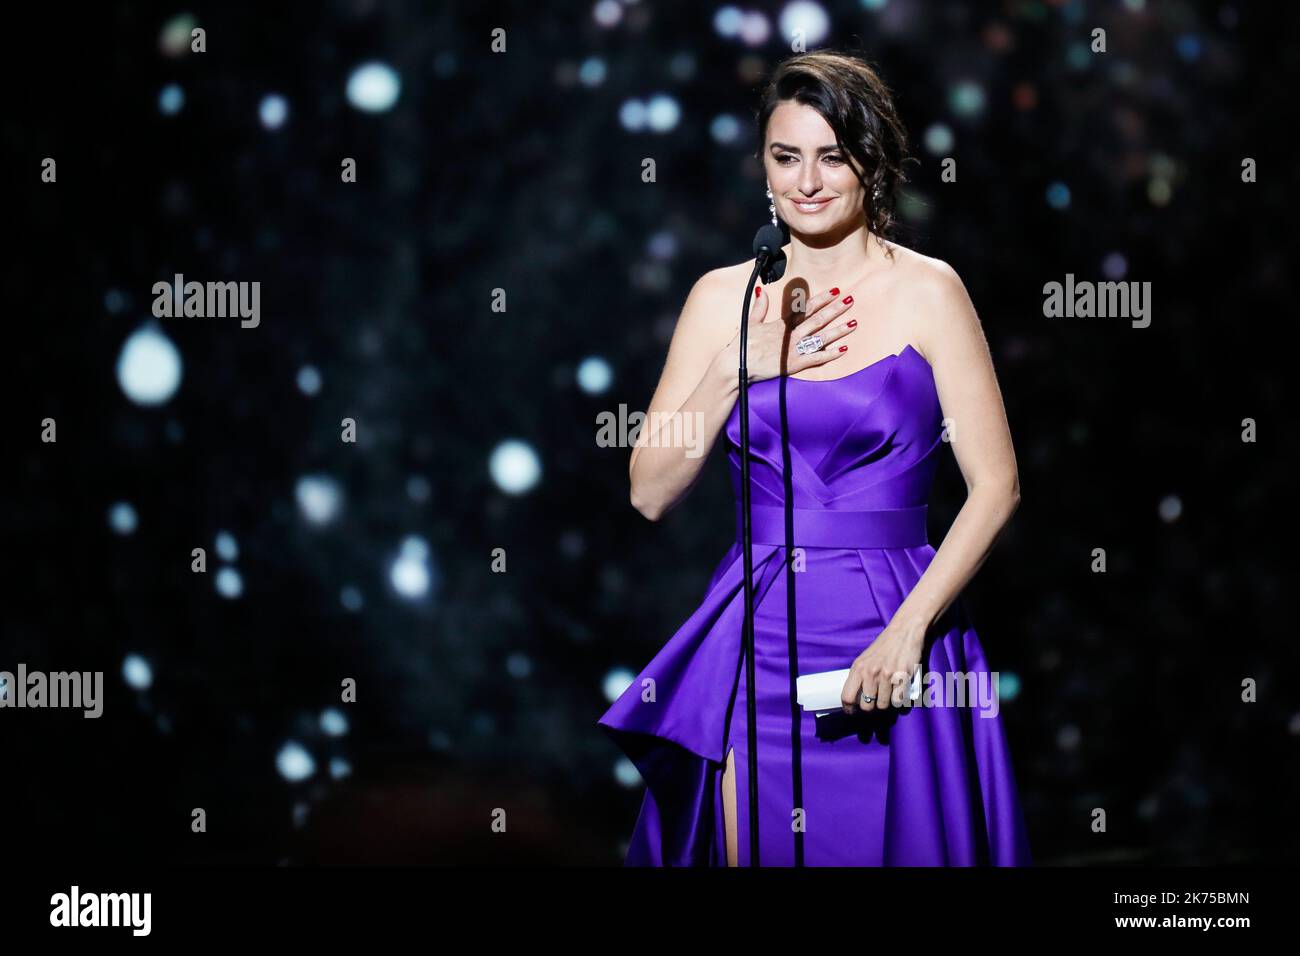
(770, 238)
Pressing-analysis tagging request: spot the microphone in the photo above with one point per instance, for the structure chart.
(767, 250)
(769, 265)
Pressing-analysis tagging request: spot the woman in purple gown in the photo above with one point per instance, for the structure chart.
(844, 441)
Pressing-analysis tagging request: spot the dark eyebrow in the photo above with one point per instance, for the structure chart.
(795, 149)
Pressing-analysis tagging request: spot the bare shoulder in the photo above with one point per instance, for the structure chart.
(933, 297)
(703, 325)
(919, 278)
(726, 282)
(712, 309)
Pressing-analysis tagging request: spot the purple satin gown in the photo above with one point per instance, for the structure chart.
(919, 786)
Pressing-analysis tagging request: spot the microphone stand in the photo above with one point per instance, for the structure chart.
(764, 263)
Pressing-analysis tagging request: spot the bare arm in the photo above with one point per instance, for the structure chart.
(981, 440)
(671, 449)
(976, 425)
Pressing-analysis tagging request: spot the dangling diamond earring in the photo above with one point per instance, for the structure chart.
(771, 203)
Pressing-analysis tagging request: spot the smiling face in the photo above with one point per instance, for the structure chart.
(812, 179)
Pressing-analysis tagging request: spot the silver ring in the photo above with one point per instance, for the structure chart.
(809, 344)
(867, 698)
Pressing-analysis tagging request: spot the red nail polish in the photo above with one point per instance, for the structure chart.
(853, 323)
(844, 348)
(835, 290)
(848, 300)
(757, 290)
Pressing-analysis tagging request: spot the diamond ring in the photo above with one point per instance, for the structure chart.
(809, 344)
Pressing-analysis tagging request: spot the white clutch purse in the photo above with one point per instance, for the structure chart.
(821, 692)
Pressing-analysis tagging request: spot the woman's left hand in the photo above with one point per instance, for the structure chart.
(884, 670)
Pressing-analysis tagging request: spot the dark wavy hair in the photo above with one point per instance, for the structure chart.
(859, 107)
